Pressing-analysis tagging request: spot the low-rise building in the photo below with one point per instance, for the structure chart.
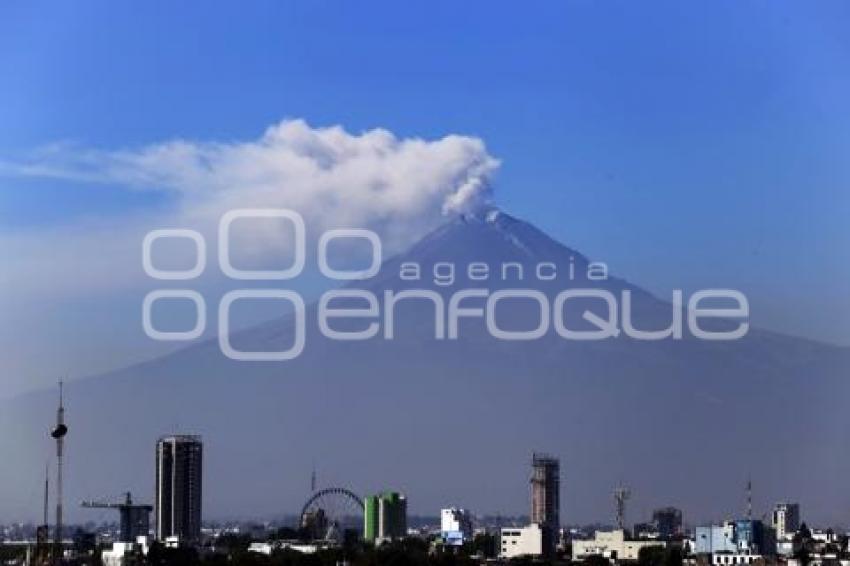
(786, 547)
(736, 542)
(123, 553)
(613, 545)
(716, 538)
(825, 536)
(732, 558)
(525, 541)
(268, 548)
(455, 526)
(820, 559)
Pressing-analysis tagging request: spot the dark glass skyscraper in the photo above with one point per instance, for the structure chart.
(546, 498)
(178, 487)
(668, 522)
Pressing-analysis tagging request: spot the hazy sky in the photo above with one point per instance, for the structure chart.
(684, 144)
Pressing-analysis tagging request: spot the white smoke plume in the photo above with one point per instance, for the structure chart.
(400, 188)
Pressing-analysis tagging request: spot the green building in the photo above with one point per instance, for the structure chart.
(385, 516)
(370, 518)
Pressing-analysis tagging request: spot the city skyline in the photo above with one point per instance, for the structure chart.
(179, 525)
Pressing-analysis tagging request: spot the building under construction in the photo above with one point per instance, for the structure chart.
(134, 518)
(546, 498)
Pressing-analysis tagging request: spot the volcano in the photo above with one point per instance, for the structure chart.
(454, 422)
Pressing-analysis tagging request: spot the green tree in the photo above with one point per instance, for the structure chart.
(660, 556)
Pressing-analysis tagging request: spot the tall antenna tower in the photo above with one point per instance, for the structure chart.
(621, 495)
(749, 499)
(42, 532)
(58, 434)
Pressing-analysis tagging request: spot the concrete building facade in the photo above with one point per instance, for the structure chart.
(455, 526)
(515, 542)
(385, 517)
(744, 536)
(179, 474)
(546, 498)
(613, 545)
(786, 520)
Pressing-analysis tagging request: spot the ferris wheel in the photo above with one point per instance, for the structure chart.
(330, 512)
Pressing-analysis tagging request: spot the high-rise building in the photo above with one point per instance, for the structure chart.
(370, 518)
(786, 520)
(384, 516)
(752, 536)
(667, 522)
(178, 488)
(546, 498)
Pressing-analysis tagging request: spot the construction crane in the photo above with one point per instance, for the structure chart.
(135, 518)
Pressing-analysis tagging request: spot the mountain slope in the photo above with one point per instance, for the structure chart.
(455, 421)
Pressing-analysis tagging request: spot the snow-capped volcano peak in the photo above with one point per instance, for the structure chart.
(485, 213)
(488, 214)
(493, 233)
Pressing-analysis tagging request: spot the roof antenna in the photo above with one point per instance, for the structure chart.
(313, 479)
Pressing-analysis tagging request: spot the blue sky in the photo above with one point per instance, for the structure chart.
(685, 144)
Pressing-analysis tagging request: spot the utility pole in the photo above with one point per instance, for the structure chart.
(46, 490)
(42, 532)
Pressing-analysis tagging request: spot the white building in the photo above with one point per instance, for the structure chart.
(786, 520)
(455, 526)
(731, 558)
(785, 547)
(261, 548)
(716, 538)
(304, 548)
(525, 541)
(612, 545)
(827, 536)
(172, 542)
(123, 553)
(830, 559)
(118, 555)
